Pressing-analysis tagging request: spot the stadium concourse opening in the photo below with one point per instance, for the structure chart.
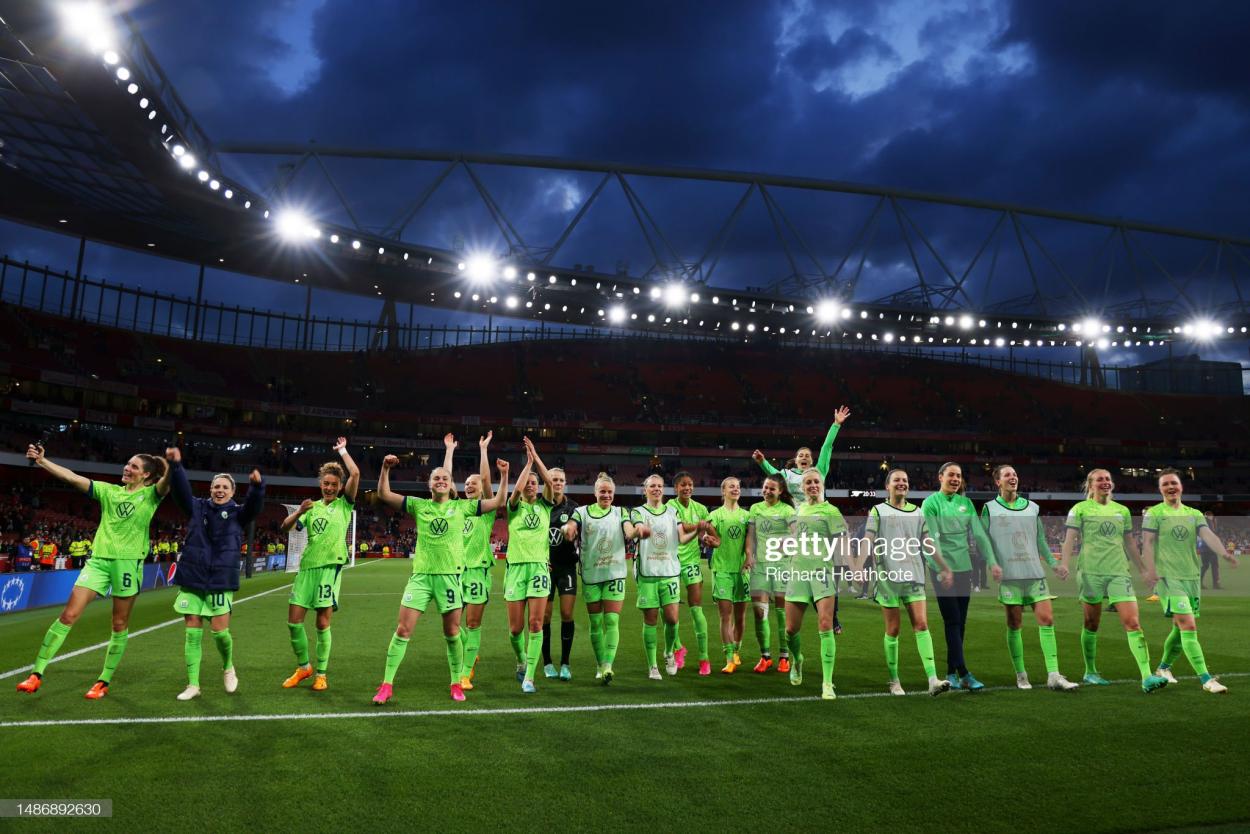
(341, 490)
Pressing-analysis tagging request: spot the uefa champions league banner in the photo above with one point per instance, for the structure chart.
(38, 589)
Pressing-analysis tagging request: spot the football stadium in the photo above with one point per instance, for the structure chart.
(861, 447)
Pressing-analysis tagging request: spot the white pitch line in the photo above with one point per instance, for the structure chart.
(471, 712)
(24, 669)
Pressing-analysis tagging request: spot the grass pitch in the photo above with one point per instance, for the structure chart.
(740, 752)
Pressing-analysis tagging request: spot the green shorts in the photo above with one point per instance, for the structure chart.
(893, 594)
(203, 603)
(122, 577)
(611, 591)
(1023, 591)
(657, 592)
(692, 574)
(769, 578)
(1179, 596)
(317, 587)
(442, 588)
(811, 584)
(526, 580)
(475, 584)
(730, 585)
(1095, 587)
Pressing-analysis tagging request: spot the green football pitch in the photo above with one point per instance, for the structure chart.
(740, 752)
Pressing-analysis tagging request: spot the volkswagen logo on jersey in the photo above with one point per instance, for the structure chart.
(11, 593)
(438, 526)
(1107, 528)
(1180, 533)
(531, 521)
(125, 509)
(555, 535)
(468, 525)
(734, 531)
(319, 525)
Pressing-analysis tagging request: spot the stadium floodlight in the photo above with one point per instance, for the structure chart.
(178, 151)
(999, 342)
(651, 317)
(1091, 327)
(202, 175)
(529, 276)
(656, 292)
(889, 337)
(551, 279)
(229, 195)
(334, 238)
(509, 272)
(355, 244)
(949, 320)
(826, 311)
(735, 325)
(694, 298)
(133, 88)
(187, 161)
(89, 23)
(750, 328)
(123, 74)
(1102, 343)
(616, 314)
(675, 295)
(511, 302)
(480, 267)
(1205, 330)
(111, 57)
(294, 226)
(716, 299)
(981, 323)
(381, 250)
(965, 322)
(143, 102)
(214, 184)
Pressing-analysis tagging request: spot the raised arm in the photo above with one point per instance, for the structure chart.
(450, 444)
(390, 499)
(178, 483)
(293, 519)
(255, 500)
(489, 505)
(483, 443)
(543, 474)
(826, 448)
(162, 485)
(759, 458)
(521, 478)
(35, 453)
(353, 471)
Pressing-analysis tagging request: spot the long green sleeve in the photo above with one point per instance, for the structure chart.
(768, 468)
(826, 451)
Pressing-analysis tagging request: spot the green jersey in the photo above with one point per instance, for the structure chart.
(731, 529)
(794, 477)
(602, 535)
(819, 527)
(898, 549)
(657, 554)
(1176, 542)
(124, 521)
(769, 524)
(1102, 528)
(527, 531)
(1019, 537)
(690, 515)
(951, 518)
(477, 528)
(327, 533)
(440, 533)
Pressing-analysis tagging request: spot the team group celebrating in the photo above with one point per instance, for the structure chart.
(754, 563)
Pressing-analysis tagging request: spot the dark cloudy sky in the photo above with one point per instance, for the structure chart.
(1125, 109)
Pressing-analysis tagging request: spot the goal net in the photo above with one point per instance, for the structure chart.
(297, 539)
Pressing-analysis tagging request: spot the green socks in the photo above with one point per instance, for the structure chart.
(113, 656)
(323, 650)
(1141, 653)
(729, 652)
(535, 650)
(1171, 648)
(611, 637)
(225, 647)
(596, 637)
(1089, 650)
(299, 642)
(794, 642)
(763, 635)
(455, 656)
(648, 644)
(828, 653)
(672, 640)
(1050, 648)
(1015, 646)
(192, 646)
(394, 656)
(780, 613)
(891, 656)
(1193, 651)
(518, 646)
(472, 642)
(700, 630)
(52, 640)
(924, 644)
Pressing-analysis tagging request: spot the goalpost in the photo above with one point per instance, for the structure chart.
(297, 539)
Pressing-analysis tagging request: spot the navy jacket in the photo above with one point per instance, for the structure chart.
(210, 557)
